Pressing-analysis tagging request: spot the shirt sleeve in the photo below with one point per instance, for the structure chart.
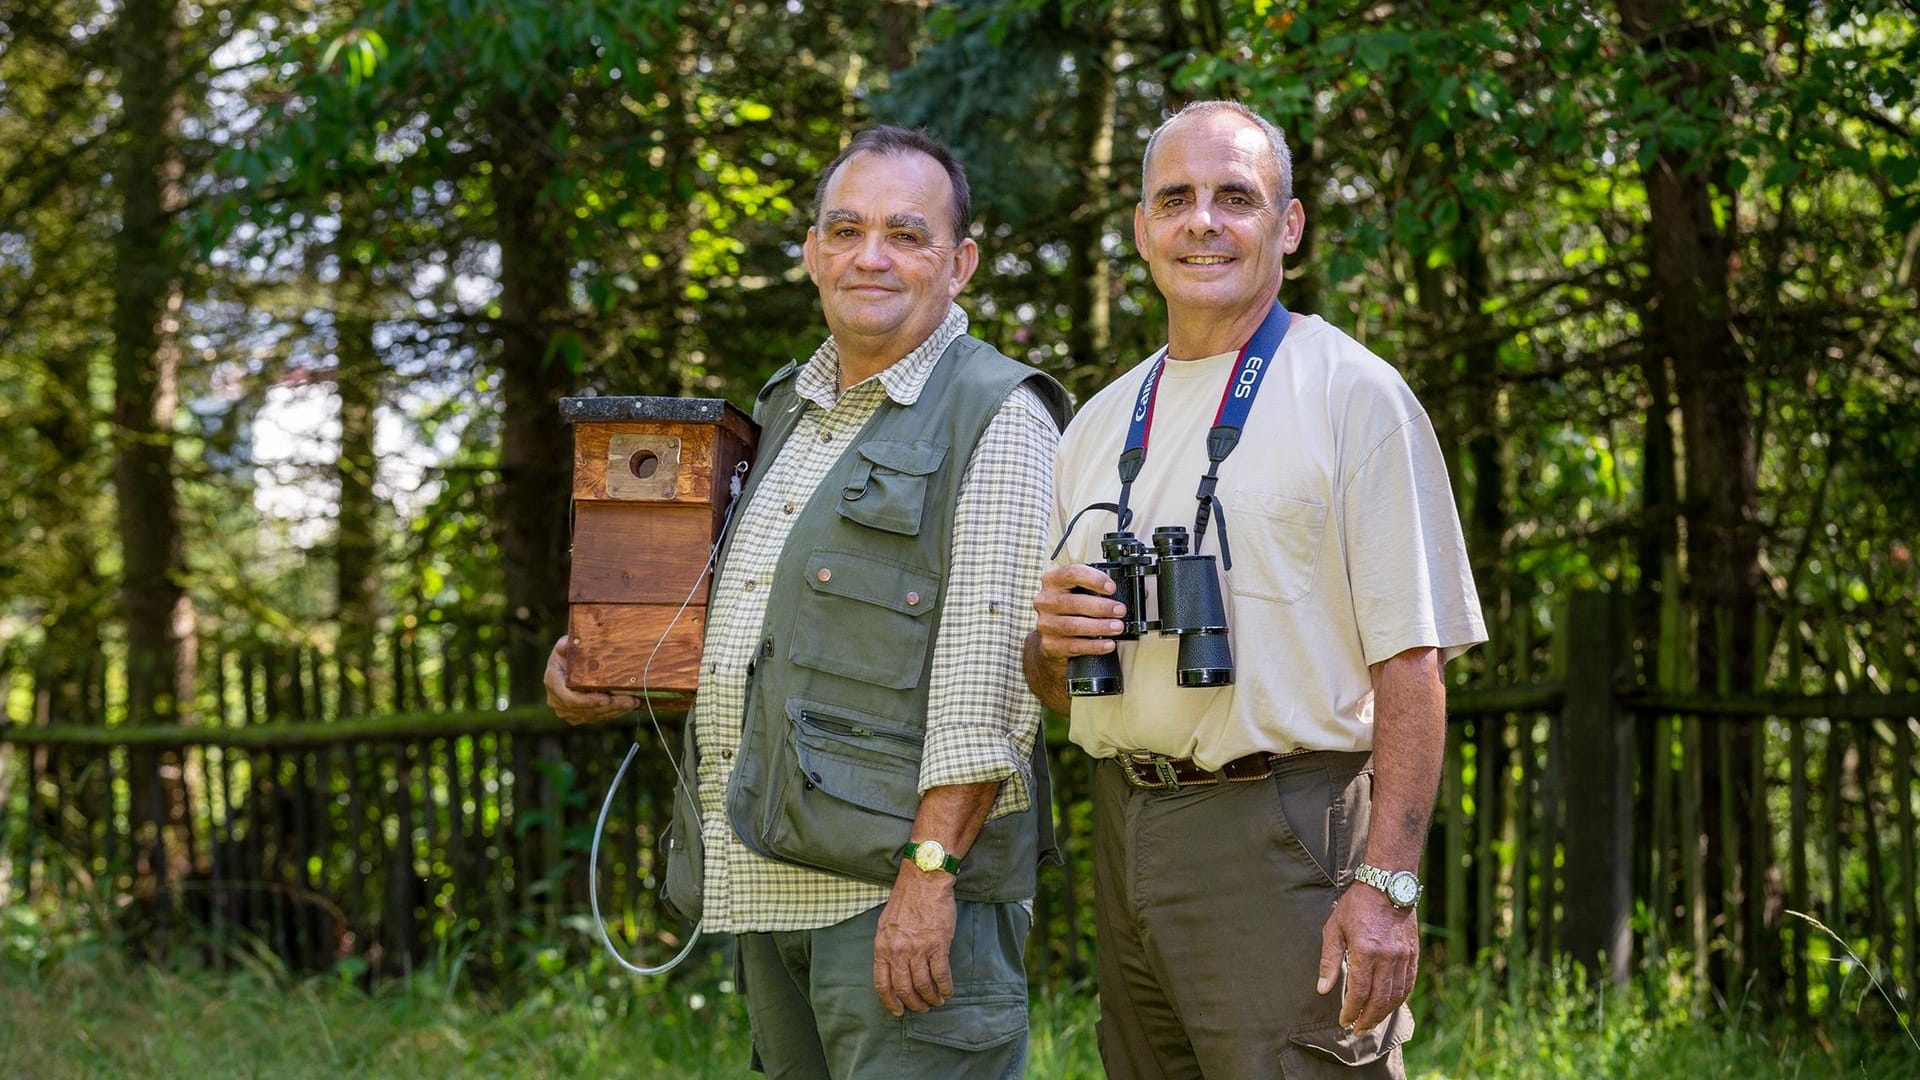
(981, 717)
(1406, 557)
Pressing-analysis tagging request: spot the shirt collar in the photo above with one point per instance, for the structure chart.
(819, 381)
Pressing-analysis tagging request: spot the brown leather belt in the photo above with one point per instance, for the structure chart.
(1158, 772)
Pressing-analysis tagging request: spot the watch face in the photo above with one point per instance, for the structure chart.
(929, 856)
(1403, 888)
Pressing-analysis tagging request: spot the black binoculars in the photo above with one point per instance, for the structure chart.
(1191, 607)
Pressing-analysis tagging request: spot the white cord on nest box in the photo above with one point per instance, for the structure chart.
(734, 487)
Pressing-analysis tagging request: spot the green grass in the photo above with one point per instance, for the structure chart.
(90, 1013)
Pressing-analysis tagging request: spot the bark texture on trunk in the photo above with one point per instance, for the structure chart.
(357, 380)
(1692, 326)
(535, 450)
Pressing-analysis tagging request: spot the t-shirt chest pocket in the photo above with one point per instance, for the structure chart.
(1276, 544)
(887, 489)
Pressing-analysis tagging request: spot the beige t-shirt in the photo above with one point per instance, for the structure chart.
(1346, 548)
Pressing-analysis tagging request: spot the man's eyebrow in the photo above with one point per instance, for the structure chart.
(838, 217)
(1170, 190)
(907, 221)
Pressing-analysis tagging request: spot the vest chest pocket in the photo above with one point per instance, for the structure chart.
(865, 618)
(888, 488)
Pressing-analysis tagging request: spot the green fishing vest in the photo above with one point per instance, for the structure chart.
(836, 701)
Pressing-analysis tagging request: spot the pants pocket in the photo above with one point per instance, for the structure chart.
(971, 1023)
(1323, 815)
(1304, 820)
(1329, 1050)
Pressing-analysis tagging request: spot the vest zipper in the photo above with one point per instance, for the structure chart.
(848, 727)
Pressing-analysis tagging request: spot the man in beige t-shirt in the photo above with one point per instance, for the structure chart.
(1231, 820)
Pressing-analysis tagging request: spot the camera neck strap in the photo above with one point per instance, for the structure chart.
(1236, 403)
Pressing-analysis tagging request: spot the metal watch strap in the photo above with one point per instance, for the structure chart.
(1383, 880)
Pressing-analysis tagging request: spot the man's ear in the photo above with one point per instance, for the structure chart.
(966, 259)
(1294, 229)
(810, 254)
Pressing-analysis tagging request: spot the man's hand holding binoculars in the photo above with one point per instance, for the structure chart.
(1076, 618)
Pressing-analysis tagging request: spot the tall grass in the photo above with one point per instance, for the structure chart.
(91, 1013)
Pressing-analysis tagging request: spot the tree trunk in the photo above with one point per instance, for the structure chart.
(72, 620)
(357, 378)
(535, 450)
(147, 300)
(1090, 271)
(899, 24)
(1692, 326)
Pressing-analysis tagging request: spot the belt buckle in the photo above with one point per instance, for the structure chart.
(1162, 768)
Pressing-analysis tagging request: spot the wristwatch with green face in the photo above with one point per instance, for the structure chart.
(930, 856)
(1401, 887)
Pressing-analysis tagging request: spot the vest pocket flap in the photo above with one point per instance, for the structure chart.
(887, 489)
(865, 773)
(913, 458)
(874, 581)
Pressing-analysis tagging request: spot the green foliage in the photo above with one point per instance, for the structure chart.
(88, 1016)
(1554, 1023)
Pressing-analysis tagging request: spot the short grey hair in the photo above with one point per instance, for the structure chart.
(888, 141)
(1277, 142)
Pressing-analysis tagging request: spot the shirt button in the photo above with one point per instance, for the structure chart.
(913, 599)
(749, 585)
(726, 755)
(824, 575)
(826, 436)
(787, 509)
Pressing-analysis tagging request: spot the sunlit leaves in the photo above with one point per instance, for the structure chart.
(362, 50)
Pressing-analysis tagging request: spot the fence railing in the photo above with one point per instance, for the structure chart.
(1578, 815)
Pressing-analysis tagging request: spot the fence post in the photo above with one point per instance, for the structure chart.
(1599, 783)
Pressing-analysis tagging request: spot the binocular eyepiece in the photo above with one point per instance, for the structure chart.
(1191, 607)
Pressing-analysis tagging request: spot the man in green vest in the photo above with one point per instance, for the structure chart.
(871, 785)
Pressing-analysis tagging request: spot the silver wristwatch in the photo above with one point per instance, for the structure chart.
(1401, 887)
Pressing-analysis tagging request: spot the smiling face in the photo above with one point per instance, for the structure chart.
(1211, 227)
(884, 257)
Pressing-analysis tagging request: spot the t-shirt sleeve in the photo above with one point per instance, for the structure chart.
(1406, 557)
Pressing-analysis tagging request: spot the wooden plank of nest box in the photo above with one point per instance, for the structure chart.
(612, 642)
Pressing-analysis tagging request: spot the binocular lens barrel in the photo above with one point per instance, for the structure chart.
(1205, 660)
(1128, 562)
(1094, 676)
(1191, 606)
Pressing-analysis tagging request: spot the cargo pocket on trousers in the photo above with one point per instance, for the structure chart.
(978, 1023)
(1327, 1050)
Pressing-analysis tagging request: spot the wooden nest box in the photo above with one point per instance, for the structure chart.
(651, 484)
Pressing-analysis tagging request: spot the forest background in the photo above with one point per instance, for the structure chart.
(289, 293)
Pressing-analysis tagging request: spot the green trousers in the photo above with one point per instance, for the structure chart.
(1209, 903)
(815, 1016)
